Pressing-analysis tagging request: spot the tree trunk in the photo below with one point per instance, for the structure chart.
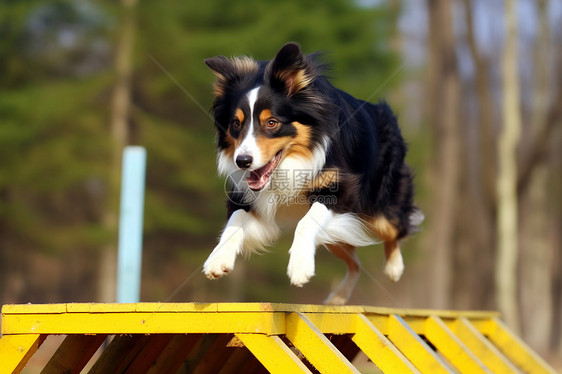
(507, 246)
(443, 115)
(475, 248)
(119, 128)
(536, 244)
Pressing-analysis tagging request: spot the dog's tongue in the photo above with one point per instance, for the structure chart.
(259, 178)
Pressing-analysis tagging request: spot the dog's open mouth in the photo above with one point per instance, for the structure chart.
(259, 178)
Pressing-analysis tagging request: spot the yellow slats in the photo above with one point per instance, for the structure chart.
(452, 347)
(273, 353)
(16, 350)
(315, 346)
(419, 353)
(379, 349)
(482, 347)
(229, 338)
(143, 323)
(515, 349)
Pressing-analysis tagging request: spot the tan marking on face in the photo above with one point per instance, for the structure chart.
(239, 115)
(270, 146)
(264, 116)
(383, 229)
(300, 144)
(233, 142)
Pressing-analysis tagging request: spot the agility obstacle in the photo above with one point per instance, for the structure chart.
(261, 337)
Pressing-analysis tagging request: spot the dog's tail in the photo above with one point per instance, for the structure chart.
(415, 220)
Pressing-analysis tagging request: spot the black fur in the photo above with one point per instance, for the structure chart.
(365, 143)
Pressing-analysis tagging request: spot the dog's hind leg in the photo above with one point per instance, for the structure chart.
(385, 230)
(342, 293)
(394, 265)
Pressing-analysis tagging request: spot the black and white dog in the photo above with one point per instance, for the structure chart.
(278, 119)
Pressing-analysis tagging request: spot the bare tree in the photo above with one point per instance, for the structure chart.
(507, 234)
(119, 127)
(443, 116)
(536, 246)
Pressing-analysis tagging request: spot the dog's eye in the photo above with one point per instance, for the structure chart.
(235, 124)
(272, 123)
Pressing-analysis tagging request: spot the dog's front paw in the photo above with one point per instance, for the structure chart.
(300, 269)
(219, 264)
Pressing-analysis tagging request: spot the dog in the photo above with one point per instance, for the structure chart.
(286, 135)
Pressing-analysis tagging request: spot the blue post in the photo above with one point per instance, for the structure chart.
(129, 257)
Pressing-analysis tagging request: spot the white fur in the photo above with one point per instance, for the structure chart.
(303, 249)
(243, 232)
(345, 228)
(225, 164)
(249, 146)
(394, 267)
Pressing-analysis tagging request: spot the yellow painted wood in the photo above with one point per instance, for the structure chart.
(333, 323)
(237, 307)
(273, 353)
(482, 347)
(417, 351)
(379, 349)
(370, 310)
(452, 347)
(16, 350)
(515, 349)
(144, 323)
(317, 349)
(306, 324)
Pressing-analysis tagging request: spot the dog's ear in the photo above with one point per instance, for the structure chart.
(219, 65)
(289, 71)
(229, 71)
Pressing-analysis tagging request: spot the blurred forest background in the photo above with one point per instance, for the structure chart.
(476, 85)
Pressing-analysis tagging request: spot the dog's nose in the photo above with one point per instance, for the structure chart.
(244, 161)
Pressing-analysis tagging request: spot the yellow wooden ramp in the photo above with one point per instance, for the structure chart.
(260, 337)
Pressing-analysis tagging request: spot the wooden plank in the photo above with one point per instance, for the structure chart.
(16, 350)
(144, 323)
(149, 353)
(379, 349)
(333, 323)
(273, 353)
(235, 307)
(452, 347)
(414, 348)
(484, 314)
(482, 347)
(73, 354)
(515, 349)
(119, 354)
(315, 346)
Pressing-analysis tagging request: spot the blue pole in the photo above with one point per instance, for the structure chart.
(129, 257)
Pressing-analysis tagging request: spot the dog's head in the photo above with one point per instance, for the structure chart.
(268, 114)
